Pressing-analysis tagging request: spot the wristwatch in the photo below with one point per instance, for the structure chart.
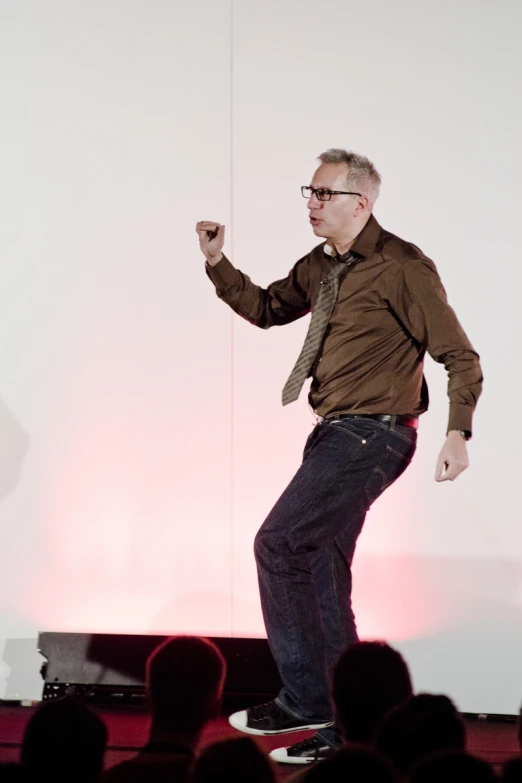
(466, 434)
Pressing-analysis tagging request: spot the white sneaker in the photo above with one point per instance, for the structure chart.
(270, 718)
(306, 752)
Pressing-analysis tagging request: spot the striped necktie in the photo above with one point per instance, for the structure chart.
(314, 337)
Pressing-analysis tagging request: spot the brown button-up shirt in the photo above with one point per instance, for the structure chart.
(390, 310)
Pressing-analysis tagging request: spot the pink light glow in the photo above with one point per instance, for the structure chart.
(136, 542)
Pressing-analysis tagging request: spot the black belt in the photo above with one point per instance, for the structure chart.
(388, 418)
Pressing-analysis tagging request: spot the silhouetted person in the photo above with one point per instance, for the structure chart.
(64, 741)
(424, 725)
(233, 761)
(370, 679)
(512, 771)
(453, 767)
(12, 773)
(184, 683)
(352, 764)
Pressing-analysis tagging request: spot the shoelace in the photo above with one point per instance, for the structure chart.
(264, 710)
(312, 743)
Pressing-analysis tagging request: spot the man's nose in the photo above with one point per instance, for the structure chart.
(313, 202)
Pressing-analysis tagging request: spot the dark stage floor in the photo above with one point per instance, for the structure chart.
(493, 741)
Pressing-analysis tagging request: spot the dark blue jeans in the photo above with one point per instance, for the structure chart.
(304, 553)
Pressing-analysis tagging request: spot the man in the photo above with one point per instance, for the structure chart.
(377, 305)
(426, 724)
(63, 741)
(184, 684)
(369, 680)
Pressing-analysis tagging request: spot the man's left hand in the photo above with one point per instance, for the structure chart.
(453, 458)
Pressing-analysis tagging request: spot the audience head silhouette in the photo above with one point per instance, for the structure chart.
(512, 771)
(184, 681)
(63, 741)
(369, 680)
(234, 761)
(354, 764)
(452, 767)
(424, 725)
(12, 773)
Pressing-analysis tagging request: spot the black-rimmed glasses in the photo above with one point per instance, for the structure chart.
(325, 194)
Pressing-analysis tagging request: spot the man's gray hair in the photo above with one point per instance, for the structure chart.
(362, 175)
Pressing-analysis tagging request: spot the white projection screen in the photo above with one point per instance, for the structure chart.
(142, 439)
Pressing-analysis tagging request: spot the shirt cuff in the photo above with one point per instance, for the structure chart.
(223, 274)
(460, 417)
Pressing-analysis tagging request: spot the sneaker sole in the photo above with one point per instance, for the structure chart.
(290, 759)
(260, 733)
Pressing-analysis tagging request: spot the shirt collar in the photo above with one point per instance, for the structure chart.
(364, 245)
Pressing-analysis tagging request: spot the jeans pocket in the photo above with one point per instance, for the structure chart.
(392, 465)
(348, 428)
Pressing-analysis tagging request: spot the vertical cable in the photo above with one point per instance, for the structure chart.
(232, 376)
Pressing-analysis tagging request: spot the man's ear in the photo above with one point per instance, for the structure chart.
(362, 205)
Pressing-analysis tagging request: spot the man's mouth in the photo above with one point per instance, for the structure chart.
(314, 220)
